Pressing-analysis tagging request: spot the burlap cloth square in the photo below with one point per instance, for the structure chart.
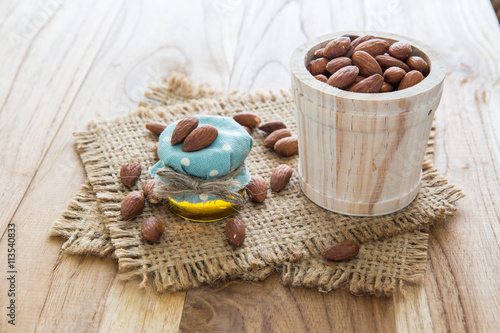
(286, 232)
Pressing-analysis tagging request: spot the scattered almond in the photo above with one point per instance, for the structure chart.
(280, 177)
(400, 50)
(345, 250)
(371, 84)
(287, 146)
(235, 231)
(411, 78)
(156, 128)
(272, 126)
(248, 119)
(272, 138)
(256, 188)
(248, 129)
(343, 77)
(156, 150)
(148, 191)
(183, 128)
(130, 173)
(394, 74)
(366, 63)
(152, 229)
(200, 138)
(132, 205)
(418, 64)
(337, 47)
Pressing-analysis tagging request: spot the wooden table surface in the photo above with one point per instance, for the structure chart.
(65, 62)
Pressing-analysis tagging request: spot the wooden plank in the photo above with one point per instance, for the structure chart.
(130, 309)
(411, 310)
(137, 49)
(29, 116)
(92, 63)
(268, 306)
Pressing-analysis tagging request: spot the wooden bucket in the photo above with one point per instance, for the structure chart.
(361, 154)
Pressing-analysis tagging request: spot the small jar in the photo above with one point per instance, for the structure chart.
(222, 161)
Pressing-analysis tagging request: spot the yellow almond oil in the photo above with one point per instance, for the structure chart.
(209, 211)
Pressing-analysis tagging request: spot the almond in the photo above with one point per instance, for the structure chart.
(400, 50)
(256, 189)
(386, 87)
(343, 77)
(337, 47)
(359, 78)
(356, 42)
(130, 173)
(272, 126)
(272, 138)
(248, 119)
(366, 63)
(394, 74)
(345, 250)
(411, 78)
(338, 63)
(351, 37)
(318, 66)
(156, 128)
(280, 177)
(185, 126)
(248, 129)
(235, 231)
(287, 146)
(319, 53)
(132, 205)
(156, 150)
(152, 229)
(371, 84)
(148, 191)
(321, 77)
(418, 64)
(387, 61)
(374, 47)
(200, 138)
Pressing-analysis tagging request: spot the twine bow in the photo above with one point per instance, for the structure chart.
(178, 184)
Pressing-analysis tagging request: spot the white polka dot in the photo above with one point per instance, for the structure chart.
(204, 197)
(185, 161)
(167, 138)
(213, 173)
(226, 147)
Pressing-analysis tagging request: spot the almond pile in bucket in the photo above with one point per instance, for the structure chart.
(367, 64)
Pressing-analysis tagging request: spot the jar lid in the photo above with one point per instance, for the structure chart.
(226, 154)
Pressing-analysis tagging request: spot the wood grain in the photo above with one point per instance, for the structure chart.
(65, 63)
(231, 307)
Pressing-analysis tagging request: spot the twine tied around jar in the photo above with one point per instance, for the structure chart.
(177, 184)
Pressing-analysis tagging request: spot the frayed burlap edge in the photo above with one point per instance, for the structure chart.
(363, 275)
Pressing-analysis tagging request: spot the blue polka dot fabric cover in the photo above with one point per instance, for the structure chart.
(225, 154)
